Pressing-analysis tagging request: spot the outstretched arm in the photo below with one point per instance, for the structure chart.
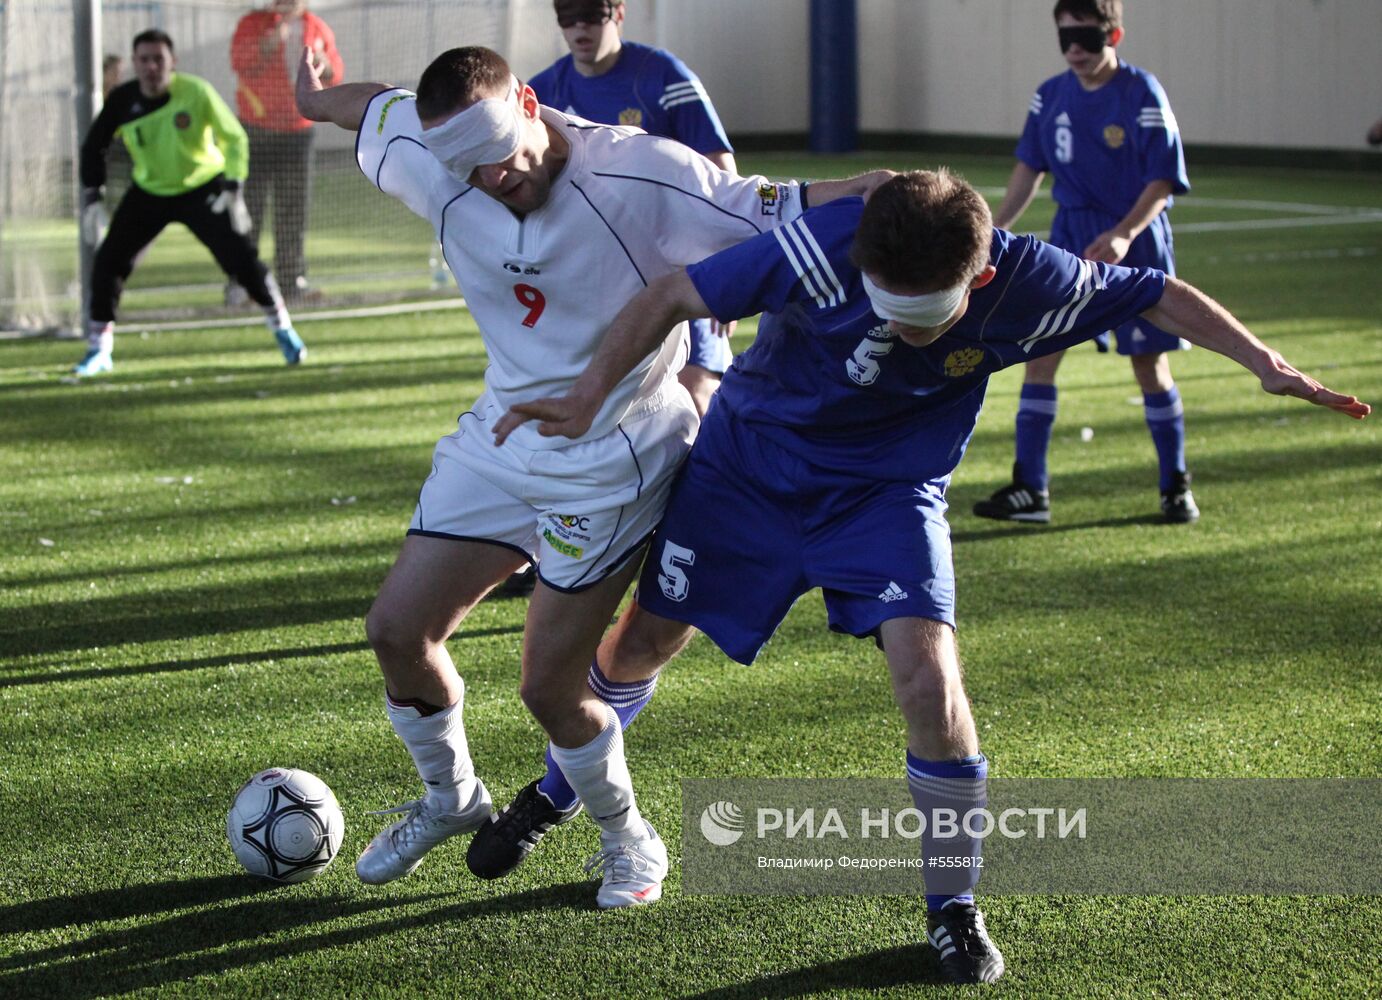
(1187, 312)
(858, 186)
(345, 105)
(635, 333)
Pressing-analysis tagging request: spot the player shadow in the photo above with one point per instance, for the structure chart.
(228, 659)
(908, 965)
(174, 666)
(153, 567)
(137, 619)
(119, 904)
(50, 400)
(1011, 530)
(248, 933)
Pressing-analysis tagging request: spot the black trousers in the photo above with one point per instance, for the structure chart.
(281, 173)
(142, 216)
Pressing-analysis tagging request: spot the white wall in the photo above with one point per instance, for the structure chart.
(1291, 73)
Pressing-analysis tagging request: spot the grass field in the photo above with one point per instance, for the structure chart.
(188, 547)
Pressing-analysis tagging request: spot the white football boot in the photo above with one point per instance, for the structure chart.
(399, 848)
(633, 872)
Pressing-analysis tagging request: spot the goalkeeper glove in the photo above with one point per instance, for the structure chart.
(231, 200)
(95, 218)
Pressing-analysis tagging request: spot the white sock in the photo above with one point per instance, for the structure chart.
(276, 316)
(438, 746)
(600, 776)
(100, 335)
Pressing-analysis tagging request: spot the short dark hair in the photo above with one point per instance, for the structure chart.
(152, 36)
(1109, 13)
(458, 78)
(923, 231)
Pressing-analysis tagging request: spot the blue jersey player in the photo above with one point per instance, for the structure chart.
(1105, 133)
(607, 79)
(825, 459)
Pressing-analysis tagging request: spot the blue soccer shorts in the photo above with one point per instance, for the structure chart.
(707, 349)
(751, 526)
(1075, 229)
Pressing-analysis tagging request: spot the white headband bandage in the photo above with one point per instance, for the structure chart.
(931, 309)
(486, 132)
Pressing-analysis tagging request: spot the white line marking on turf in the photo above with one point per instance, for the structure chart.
(1330, 254)
(360, 312)
(1272, 206)
(1247, 204)
(1360, 219)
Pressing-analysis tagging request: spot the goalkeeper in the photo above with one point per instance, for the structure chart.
(190, 160)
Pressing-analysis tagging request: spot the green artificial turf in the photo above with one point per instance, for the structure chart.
(188, 548)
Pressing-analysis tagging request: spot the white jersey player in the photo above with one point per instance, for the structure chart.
(543, 287)
(550, 225)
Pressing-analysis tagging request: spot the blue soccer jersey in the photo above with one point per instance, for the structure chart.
(647, 87)
(1103, 147)
(828, 380)
(827, 453)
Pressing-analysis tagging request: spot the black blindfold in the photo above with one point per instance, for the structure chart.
(1089, 38)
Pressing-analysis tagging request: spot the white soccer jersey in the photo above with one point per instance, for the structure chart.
(627, 208)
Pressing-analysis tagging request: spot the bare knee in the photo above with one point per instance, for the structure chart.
(929, 688)
(640, 645)
(1042, 370)
(393, 639)
(928, 695)
(561, 710)
(1153, 372)
(539, 701)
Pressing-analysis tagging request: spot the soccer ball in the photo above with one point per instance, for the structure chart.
(285, 825)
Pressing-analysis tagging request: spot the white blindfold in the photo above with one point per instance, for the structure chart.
(486, 132)
(929, 310)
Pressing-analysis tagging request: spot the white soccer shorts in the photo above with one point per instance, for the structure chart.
(578, 511)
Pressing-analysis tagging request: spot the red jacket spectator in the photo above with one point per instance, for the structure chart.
(260, 56)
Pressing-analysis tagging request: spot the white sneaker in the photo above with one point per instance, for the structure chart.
(399, 848)
(633, 872)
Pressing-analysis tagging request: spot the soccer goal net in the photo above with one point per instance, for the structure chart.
(360, 247)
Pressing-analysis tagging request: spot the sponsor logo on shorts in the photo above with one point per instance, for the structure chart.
(631, 116)
(570, 528)
(384, 111)
(565, 548)
(1114, 136)
(963, 361)
(892, 593)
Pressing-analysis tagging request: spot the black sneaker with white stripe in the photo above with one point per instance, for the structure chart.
(1178, 503)
(500, 845)
(959, 937)
(1017, 502)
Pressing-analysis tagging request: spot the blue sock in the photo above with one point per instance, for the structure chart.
(1166, 421)
(960, 785)
(627, 700)
(1036, 415)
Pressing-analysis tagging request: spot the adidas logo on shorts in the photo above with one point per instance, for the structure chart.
(893, 593)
